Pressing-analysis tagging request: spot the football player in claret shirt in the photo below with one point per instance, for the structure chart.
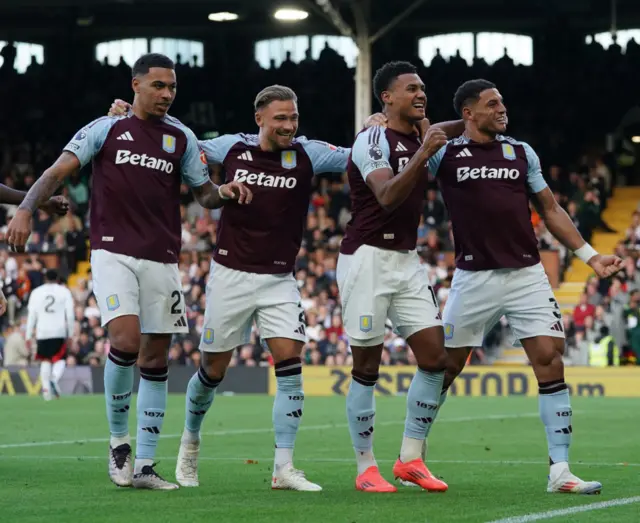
(251, 275)
(139, 162)
(380, 274)
(486, 179)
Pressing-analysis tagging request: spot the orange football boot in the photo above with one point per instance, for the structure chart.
(371, 481)
(415, 471)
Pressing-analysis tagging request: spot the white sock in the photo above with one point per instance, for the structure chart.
(116, 441)
(365, 459)
(283, 456)
(189, 437)
(140, 463)
(45, 378)
(411, 449)
(558, 468)
(58, 371)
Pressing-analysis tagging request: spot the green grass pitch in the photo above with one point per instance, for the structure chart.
(491, 451)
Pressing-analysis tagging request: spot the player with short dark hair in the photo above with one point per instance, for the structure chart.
(486, 180)
(139, 162)
(469, 93)
(380, 275)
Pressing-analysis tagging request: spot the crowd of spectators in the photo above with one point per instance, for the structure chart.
(583, 188)
(609, 310)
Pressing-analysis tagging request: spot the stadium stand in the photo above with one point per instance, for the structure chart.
(588, 179)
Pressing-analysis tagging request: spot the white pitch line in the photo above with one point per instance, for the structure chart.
(266, 430)
(537, 516)
(327, 460)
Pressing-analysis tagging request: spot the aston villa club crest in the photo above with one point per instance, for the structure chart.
(169, 143)
(508, 151)
(448, 331)
(289, 160)
(113, 303)
(208, 336)
(366, 323)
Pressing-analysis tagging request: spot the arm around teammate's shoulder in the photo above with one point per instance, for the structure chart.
(391, 191)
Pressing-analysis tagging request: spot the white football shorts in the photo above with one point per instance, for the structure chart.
(478, 299)
(151, 290)
(236, 298)
(376, 284)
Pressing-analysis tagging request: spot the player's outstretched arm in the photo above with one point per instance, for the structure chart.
(390, 190)
(561, 226)
(559, 223)
(20, 226)
(55, 205)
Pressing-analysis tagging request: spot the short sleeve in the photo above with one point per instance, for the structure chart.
(435, 161)
(325, 158)
(216, 149)
(371, 151)
(88, 141)
(534, 172)
(194, 163)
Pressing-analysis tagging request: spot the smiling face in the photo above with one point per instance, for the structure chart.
(406, 97)
(488, 113)
(278, 122)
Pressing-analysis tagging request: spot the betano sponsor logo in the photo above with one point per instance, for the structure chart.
(475, 173)
(264, 180)
(143, 160)
(479, 381)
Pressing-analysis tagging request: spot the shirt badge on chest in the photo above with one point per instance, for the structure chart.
(169, 143)
(288, 159)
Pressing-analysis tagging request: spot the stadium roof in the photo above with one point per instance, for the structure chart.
(171, 17)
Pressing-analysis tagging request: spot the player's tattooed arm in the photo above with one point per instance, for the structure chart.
(66, 164)
(212, 196)
(562, 228)
(41, 191)
(55, 205)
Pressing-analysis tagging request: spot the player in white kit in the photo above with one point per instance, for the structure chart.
(486, 181)
(51, 320)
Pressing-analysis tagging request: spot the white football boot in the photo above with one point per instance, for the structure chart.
(120, 465)
(187, 466)
(561, 480)
(289, 478)
(148, 478)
